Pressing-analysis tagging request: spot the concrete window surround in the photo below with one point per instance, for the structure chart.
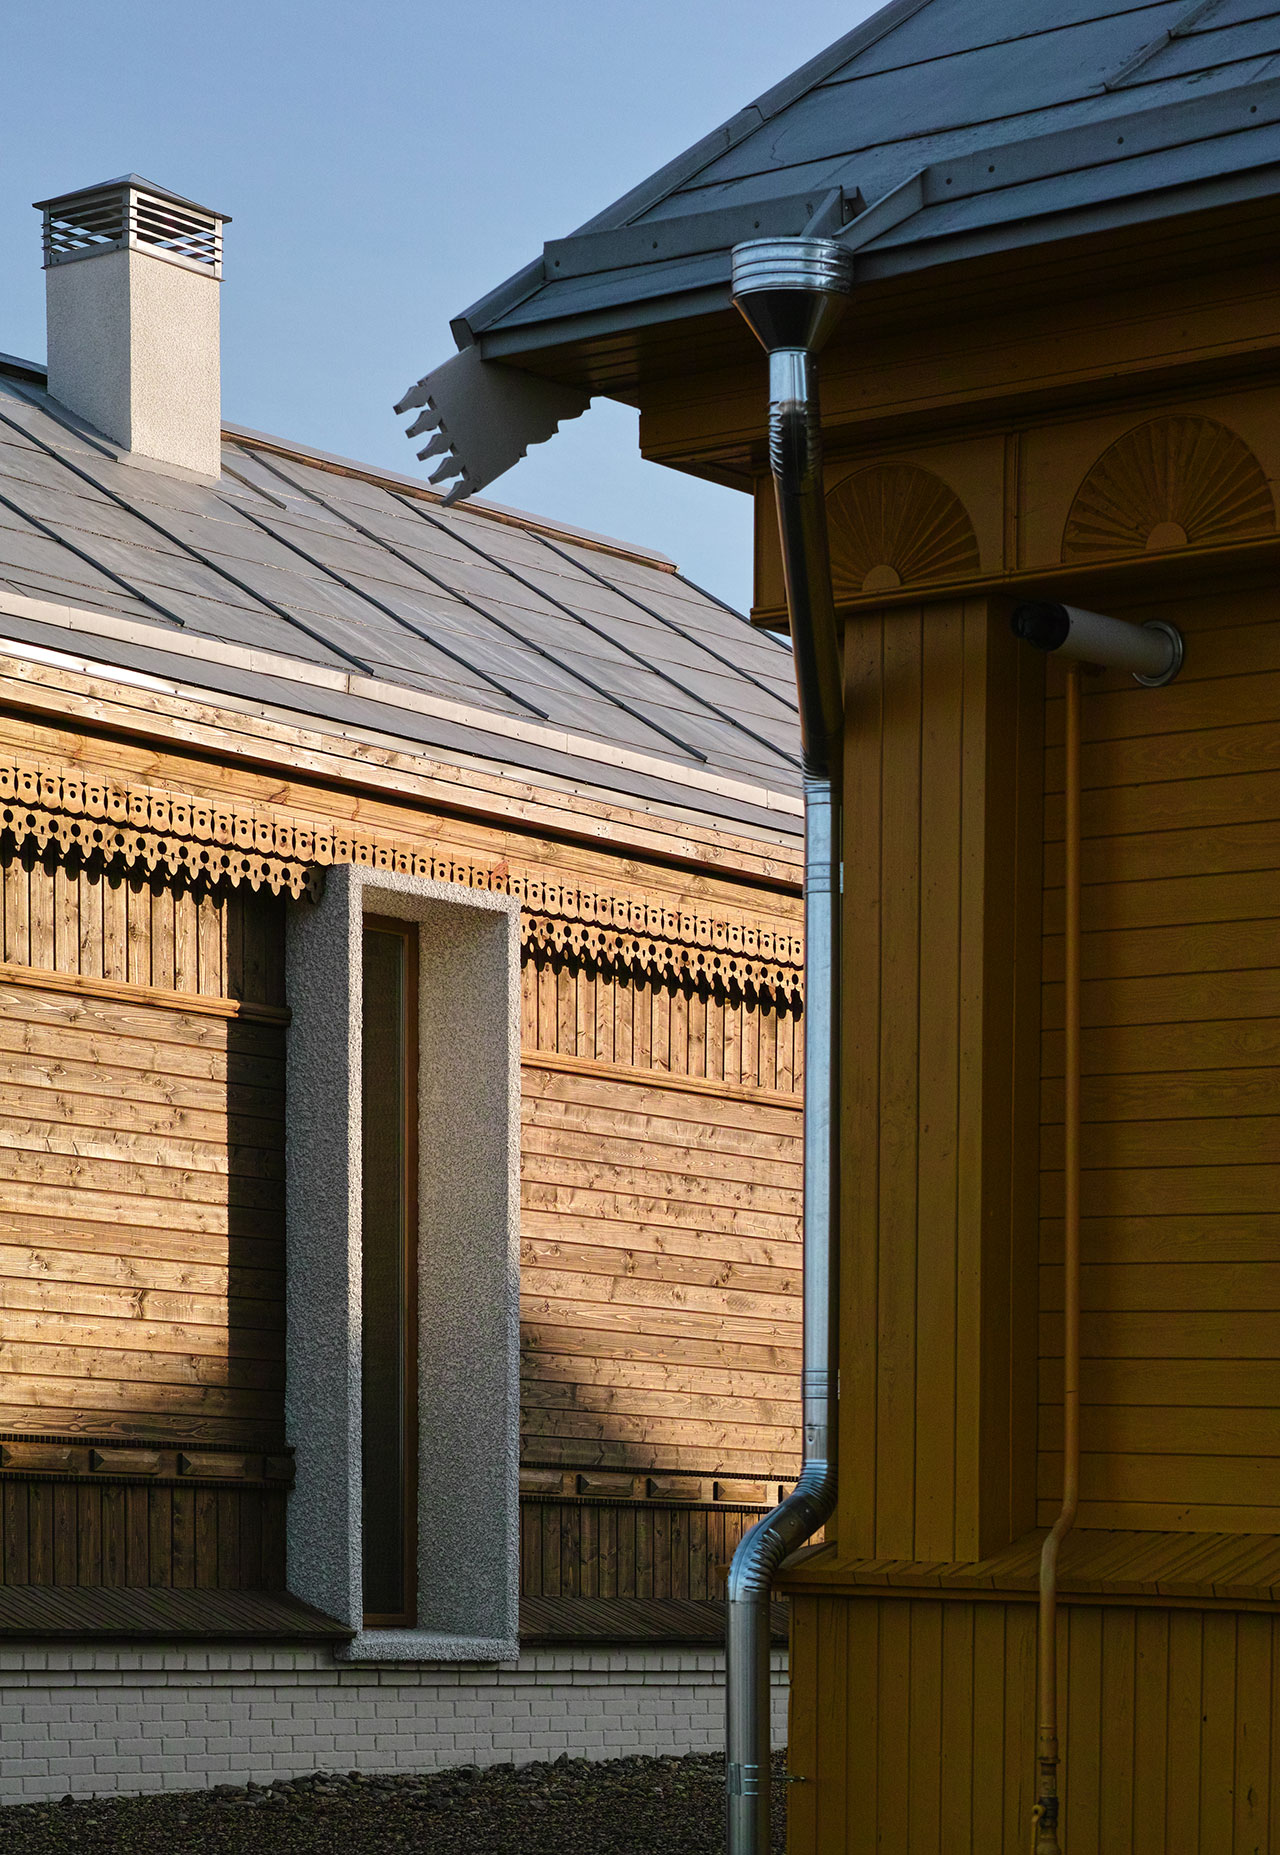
(468, 1262)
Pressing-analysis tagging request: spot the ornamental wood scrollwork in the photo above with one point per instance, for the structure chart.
(892, 525)
(203, 843)
(685, 964)
(1172, 482)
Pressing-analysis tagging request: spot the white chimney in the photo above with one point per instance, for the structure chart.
(132, 274)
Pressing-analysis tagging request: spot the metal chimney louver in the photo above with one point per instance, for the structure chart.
(131, 214)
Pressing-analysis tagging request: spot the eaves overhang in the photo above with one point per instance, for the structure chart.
(1177, 160)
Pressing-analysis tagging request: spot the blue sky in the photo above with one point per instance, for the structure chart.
(384, 165)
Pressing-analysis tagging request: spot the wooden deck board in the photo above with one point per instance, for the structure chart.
(631, 1620)
(163, 1614)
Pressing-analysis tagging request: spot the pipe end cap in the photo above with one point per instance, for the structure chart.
(1175, 655)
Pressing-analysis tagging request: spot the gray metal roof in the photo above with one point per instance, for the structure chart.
(472, 632)
(979, 124)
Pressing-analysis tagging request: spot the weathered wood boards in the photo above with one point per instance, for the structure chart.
(142, 1087)
(660, 1274)
(141, 1219)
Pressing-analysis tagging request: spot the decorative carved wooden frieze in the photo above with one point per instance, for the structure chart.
(203, 842)
(156, 833)
(1170, 482)
(717, 955)
(892, 525)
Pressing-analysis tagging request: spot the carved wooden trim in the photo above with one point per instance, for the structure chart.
(652, 1489)
(182, 839)
(203, 842)
(1169, 483)
(894, 525)
(705, 963)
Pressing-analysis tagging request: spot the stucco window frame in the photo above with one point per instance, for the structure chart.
(468, 1262)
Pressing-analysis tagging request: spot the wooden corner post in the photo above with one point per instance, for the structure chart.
(943, 783)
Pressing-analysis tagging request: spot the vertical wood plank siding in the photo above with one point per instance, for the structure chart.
(1181, 1190)
(574, 1010)
(133, 930)
(926, 1726)
(942, 927)
(118, 1534)
(627, 1548)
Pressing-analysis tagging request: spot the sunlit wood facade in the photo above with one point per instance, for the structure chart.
(152, 847)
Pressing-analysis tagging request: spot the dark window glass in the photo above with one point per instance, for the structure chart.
(388, 1376)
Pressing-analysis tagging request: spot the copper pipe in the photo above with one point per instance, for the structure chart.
(1046, 1811)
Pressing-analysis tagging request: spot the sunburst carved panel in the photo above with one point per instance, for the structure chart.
(893, 525)
(1173, 482)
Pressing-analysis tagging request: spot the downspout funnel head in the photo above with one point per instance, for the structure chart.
(791, 290)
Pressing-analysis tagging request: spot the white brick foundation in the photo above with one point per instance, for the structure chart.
(96, 1720)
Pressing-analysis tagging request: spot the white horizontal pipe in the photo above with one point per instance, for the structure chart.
(1152, 652)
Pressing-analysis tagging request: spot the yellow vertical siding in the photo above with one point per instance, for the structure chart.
(942, 925)
(918, 1736)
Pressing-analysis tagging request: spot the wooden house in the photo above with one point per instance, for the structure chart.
(1055, 379)
(357, 854)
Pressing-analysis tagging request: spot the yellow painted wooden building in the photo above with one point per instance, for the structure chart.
(1057, 378)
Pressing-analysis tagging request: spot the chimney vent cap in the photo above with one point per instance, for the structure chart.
(130, 213)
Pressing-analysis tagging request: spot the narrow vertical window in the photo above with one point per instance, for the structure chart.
(389, 1272)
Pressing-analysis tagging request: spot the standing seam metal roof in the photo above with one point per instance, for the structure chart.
(1017, 117)
(590, 662)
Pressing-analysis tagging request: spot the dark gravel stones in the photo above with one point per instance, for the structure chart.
(629, 1806)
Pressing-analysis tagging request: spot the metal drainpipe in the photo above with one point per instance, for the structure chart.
(791, 293)
(1045, 1814)
(1153, 653)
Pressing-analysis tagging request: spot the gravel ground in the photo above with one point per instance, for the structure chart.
(631, 1806)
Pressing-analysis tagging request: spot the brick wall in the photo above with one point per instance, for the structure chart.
(92, 1721)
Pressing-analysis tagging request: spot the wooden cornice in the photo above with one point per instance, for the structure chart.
(337, 761)
(202, 842)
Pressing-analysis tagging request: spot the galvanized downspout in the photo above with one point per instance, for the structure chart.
(791, 293)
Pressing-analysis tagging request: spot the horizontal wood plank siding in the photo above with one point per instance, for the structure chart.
(660, 1275)
(1181, 1091)
(141, 1219)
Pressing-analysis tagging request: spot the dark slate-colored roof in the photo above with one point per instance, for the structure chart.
(1004, 122)
(356, 600)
